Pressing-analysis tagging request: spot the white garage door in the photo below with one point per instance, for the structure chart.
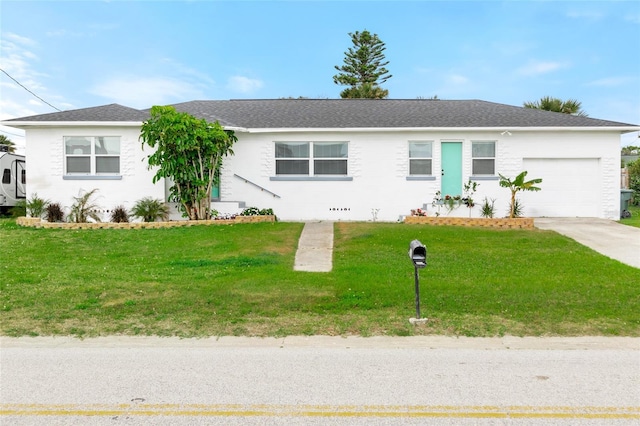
(571, 187)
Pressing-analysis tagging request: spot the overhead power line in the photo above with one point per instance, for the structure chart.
(12, 134)
(25, 88)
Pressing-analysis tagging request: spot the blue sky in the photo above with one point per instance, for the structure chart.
(76, 54)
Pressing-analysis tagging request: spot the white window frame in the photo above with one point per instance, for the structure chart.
(92, 155)
(311, 159)
(420, 158)
(483, 158)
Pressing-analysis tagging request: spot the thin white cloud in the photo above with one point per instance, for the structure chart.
(25, 41)
(144, 92)
(200, 78)
(24, 80)
(457, 79)
(10, 109)
(589, 15)
(611, 81)
(244, 85)
(534, 68)
(16, 59)
(64, 33)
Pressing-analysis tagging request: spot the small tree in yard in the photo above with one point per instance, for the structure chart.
(518, 184)
(188, 151)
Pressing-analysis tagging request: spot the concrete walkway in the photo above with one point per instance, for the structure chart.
(315, 247)
(619, 242)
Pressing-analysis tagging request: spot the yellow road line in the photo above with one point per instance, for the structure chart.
(278, 410)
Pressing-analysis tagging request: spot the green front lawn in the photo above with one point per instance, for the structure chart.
(634, 220)
(239, 280)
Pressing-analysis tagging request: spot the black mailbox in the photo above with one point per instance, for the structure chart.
(418, 254)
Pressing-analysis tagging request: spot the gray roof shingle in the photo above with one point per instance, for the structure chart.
(345, 113)
(112, 112)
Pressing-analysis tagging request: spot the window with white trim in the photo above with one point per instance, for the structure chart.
(311, 158)
(483, 158)
(92, 155)
(420, 158)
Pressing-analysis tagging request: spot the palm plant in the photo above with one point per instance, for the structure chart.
(150, 210)
(518, 184)
(84, 208)
(547, 103)
(36, 206)
(8, 142)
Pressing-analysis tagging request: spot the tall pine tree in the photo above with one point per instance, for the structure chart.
(364, 68)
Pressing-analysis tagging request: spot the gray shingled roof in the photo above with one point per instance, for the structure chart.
(345, 113)
(112, 112)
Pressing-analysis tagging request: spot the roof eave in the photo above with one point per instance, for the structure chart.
(621, 129)
(26, 124)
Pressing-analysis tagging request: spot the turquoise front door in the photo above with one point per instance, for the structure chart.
(451, 168)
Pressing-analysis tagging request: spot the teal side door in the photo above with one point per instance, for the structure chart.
(451, 168)
(215, 188)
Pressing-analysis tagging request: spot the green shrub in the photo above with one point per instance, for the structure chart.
(36, 206)
(54, 213)
(150, 210)
(517, 210)
(254, 211)
(488, 208)
(119, 215)
(634, 181)
(250, 211)
(20, 209)
(634, 185)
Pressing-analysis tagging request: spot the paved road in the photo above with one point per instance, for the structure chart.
(320, 381)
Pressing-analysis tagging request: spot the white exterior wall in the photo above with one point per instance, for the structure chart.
(378, 164)
(378, 167)
(590, 162)
(45, 169)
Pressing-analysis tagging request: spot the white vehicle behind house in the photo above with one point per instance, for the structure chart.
(13, 173)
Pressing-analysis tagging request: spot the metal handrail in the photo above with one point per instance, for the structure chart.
(256, 185)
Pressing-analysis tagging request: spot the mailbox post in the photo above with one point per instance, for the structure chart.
(418, 255)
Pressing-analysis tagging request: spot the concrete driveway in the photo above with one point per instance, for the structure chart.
(619, 242)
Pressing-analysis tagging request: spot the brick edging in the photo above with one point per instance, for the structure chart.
(504, 223)
(35, 222)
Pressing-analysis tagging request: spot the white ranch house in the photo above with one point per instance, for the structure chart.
(344, 159)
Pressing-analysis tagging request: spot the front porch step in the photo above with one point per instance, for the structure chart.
(225, 208)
